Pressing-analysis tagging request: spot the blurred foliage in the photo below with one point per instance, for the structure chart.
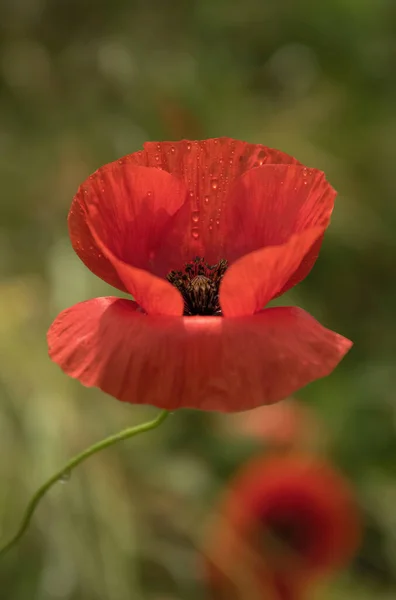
(84, 83)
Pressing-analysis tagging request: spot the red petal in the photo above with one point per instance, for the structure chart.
(251, 282)
(157, 296)
(209, 169)
(267, 205)
(129, 207)
(209, 363)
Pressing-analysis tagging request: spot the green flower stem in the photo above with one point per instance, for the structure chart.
(74, 462)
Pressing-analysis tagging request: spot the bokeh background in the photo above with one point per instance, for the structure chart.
(83, 83)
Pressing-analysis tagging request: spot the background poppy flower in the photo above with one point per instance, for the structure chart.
(257, 219)
(284, 521)
(287, 424)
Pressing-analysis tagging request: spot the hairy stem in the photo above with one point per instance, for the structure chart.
(71, 464)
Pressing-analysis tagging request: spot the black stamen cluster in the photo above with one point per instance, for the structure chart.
(199, 285)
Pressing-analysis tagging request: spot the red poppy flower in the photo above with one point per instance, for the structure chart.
(284, 521)
(288, 424)
(196, 334)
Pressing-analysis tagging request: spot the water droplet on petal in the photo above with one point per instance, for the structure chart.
(65, 477)
(217, 221)
(173, 150)
(195, 233)
(195, 216)
(149, 193)
(188, 146)
(206, 199)
(214, 184)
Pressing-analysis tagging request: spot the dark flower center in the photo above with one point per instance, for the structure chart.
(288, 532)
(199, 285)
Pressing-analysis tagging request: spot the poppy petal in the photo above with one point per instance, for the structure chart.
(154, 294)
(269, 204)
(209, 169)
(253, 280)
(208, 363)
(129, 207)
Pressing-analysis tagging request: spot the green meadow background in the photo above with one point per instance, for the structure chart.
(85, 82)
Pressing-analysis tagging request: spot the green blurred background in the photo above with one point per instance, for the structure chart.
(83, 83)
